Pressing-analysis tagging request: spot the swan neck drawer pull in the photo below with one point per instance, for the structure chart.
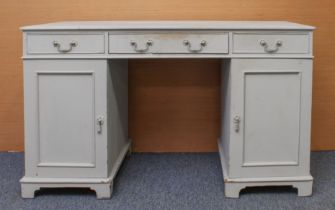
(187, 43)
(65, 50)
(264, 44)
(148, 44)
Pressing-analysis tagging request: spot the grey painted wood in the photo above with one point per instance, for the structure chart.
(76, 98)
(272, 118)
(170, 43)
(164, 44)
(291, 43)
(272, 98)
(169, 25)
(62, 101)
(226, 83)
(117, 99)
(71, 43)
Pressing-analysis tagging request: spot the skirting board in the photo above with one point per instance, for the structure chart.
(102, 186)
(233, 186)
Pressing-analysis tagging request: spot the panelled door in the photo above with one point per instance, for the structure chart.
(271, 102)
(65, 112)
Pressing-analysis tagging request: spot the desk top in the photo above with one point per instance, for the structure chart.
(169, 25)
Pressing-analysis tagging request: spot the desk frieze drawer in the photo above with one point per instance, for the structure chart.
(39, 43)
(271, 43)
(165, 43)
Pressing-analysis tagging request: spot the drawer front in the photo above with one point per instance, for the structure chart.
(65, 43)
(259, 43)
(160, 43)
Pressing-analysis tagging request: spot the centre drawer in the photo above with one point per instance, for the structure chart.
(160, 43)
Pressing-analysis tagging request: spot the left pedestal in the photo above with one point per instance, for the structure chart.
(68, 127)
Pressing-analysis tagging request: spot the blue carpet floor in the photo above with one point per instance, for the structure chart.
(170, 181)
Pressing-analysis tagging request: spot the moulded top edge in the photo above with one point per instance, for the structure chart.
(169, 25)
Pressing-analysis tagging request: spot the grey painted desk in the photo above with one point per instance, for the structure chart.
(76, 90)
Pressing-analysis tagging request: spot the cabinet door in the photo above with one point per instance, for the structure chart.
(271, 102)
(63, 101)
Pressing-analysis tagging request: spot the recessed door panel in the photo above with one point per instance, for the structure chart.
(63, 101)
(66, 119)
(271, 118)
(270, 130)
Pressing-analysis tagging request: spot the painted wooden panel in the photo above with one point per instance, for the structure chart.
(63, 99)
(320, 14)
(270, 143)
(271, 118)
(290, 43)
(67, 43)
(169, 43)
(117, 113)
(66, 118)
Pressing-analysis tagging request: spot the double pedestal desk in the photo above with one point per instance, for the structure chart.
(76, 98)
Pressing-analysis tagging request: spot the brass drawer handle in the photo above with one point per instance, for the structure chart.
(65, 50)
(187, 43)
(148, 44)
(264, 44)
